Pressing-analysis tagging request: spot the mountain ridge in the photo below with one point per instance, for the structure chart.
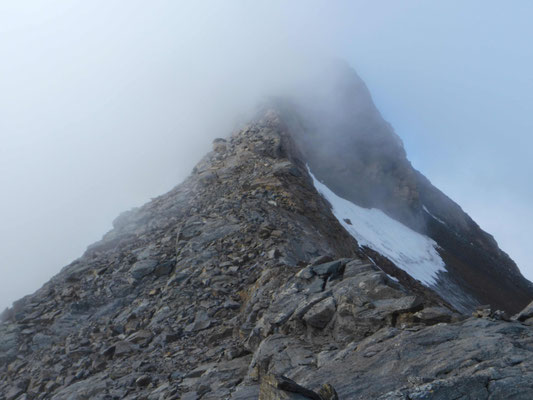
(241, 283)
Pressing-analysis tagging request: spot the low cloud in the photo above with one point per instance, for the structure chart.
(105, 104)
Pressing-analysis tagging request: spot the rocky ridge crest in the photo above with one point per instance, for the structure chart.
(241, 284)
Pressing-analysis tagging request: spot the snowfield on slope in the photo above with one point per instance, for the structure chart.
(411, 251)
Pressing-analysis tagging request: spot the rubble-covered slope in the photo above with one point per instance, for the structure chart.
(240, 283)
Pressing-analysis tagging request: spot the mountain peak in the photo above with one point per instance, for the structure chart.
(356, 153)
(246, 280)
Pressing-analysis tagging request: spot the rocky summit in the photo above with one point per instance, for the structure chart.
(244, 283)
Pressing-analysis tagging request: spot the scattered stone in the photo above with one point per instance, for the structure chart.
(356, 267)
(190, 396)
(177, 376)
(143, 380)
(282, 388)
(178, 278)
(172, 337)
(525, 314)
(273, 254)
(200, 370)
(219, 145)
(165, 268)
(321, 313)
(306, 273)
(232, 305)
(321, 260)
(141, 336)
(14, 393)
(327, 392)
(201, 322)
(400, 305)
(329, 268)
(434, 315)
(123, 348)
(233, 269)
(142, 268)
(41, 340)
(482, 311)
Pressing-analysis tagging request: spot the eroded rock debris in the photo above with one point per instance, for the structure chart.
(240, 284)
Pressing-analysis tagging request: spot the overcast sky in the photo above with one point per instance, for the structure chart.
(105, 104)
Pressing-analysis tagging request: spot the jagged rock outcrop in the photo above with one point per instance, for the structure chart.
(240, 284)
(164, 293)
(280, 387)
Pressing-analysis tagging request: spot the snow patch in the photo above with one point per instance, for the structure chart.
(411, 251)
(393, 278)
(432, 216)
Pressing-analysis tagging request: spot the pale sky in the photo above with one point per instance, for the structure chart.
(105, 104)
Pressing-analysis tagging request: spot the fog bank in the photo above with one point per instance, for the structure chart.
(104, 104)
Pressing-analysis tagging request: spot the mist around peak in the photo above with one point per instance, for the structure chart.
(105, 105)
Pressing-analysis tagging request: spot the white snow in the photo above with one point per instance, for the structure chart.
(409, 250)
(432, 216)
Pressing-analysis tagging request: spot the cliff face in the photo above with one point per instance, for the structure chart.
(350, 148)
(242, 283)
